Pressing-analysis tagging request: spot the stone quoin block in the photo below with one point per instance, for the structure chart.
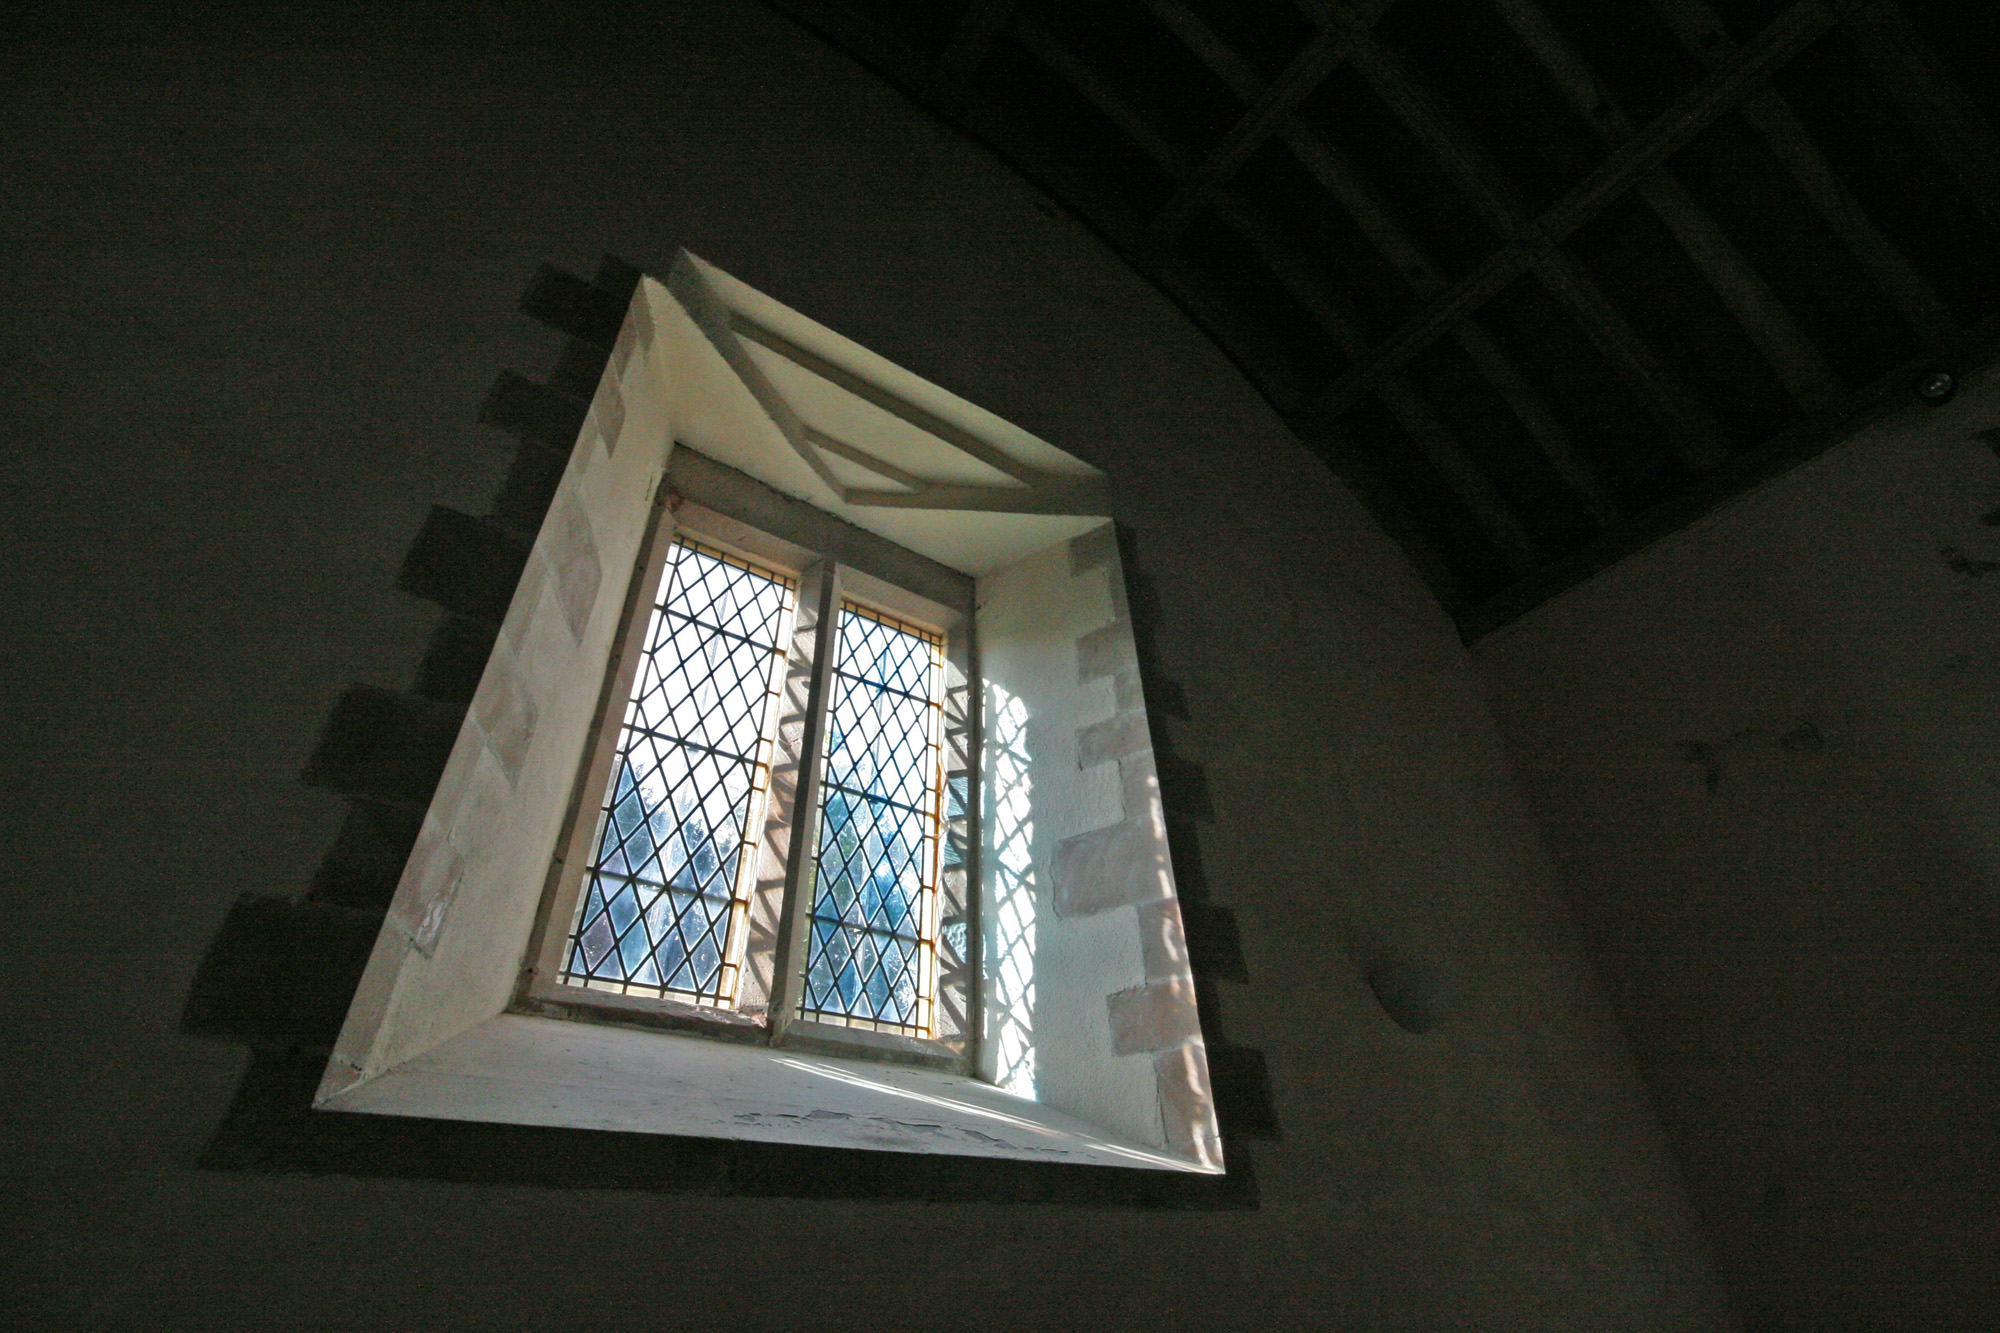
(572, 555)
(1126, 693)
(1109, 867)
(1102, 742)
(1152, 1017)
(1162, 941)
(507, 714)
(1106, 652)
(1185, 1102)
(609, 413)
(1139, 784)
(527, 602)
(435, 870)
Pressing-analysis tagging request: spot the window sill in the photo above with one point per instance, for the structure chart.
(859, 1043)
(525, 1069)
(575, 1004)
(654, 1014)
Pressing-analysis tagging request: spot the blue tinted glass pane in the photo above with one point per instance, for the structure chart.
(867, 955)
(657, 902)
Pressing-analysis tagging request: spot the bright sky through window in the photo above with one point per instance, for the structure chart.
(666, 897)
(872, 926)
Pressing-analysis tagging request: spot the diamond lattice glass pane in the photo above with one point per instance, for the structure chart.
(869, 956)
(662, 890)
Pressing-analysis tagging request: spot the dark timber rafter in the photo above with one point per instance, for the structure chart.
(983, 21)
(1248, 342)
(1688, 425)
(1532, 544)
(1417, 417)
(1934, 105)
(1327, 166)
(1771, 116)
(1763, 317)
(1307, 71)
(1633, 160)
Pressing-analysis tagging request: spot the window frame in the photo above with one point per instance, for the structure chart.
(737, 515)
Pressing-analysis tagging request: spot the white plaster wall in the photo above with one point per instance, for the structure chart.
(1851, 594)
(1766, 755)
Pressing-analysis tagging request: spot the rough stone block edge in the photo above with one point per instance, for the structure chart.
(1139, 1019)
(1239, 1078)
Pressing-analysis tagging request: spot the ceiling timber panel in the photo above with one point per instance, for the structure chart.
(1542, 279)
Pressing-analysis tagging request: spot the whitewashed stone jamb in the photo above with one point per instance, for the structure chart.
(459, 921)
(1127, 868)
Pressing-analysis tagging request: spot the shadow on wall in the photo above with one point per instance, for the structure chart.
(281, 974)
(1238, 1079)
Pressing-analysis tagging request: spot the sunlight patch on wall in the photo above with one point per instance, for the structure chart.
(1010, 1031)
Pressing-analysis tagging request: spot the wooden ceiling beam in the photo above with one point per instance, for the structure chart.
(1433, 436)
(1421, 421)
(1307, 70)
(1688, 425)
(1935, 106)
(1246, 343)
(1886, 398)
(981, 24)
(1774, 121)
(1401, 252)
(1764, 318)
(1630, 162)
(1249, 344)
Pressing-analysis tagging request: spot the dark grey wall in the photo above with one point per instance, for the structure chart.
(258, 275)
(1766, 756)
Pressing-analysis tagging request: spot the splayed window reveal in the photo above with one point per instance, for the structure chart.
(665, 906)
(1010, 996)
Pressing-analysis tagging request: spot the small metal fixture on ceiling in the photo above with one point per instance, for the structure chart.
(1936, 387)
(1540, 279)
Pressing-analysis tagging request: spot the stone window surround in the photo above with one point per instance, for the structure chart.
(1098, 871)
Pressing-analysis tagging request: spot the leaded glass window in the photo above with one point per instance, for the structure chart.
(871, 951)
(773, 818)
(664, 910)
